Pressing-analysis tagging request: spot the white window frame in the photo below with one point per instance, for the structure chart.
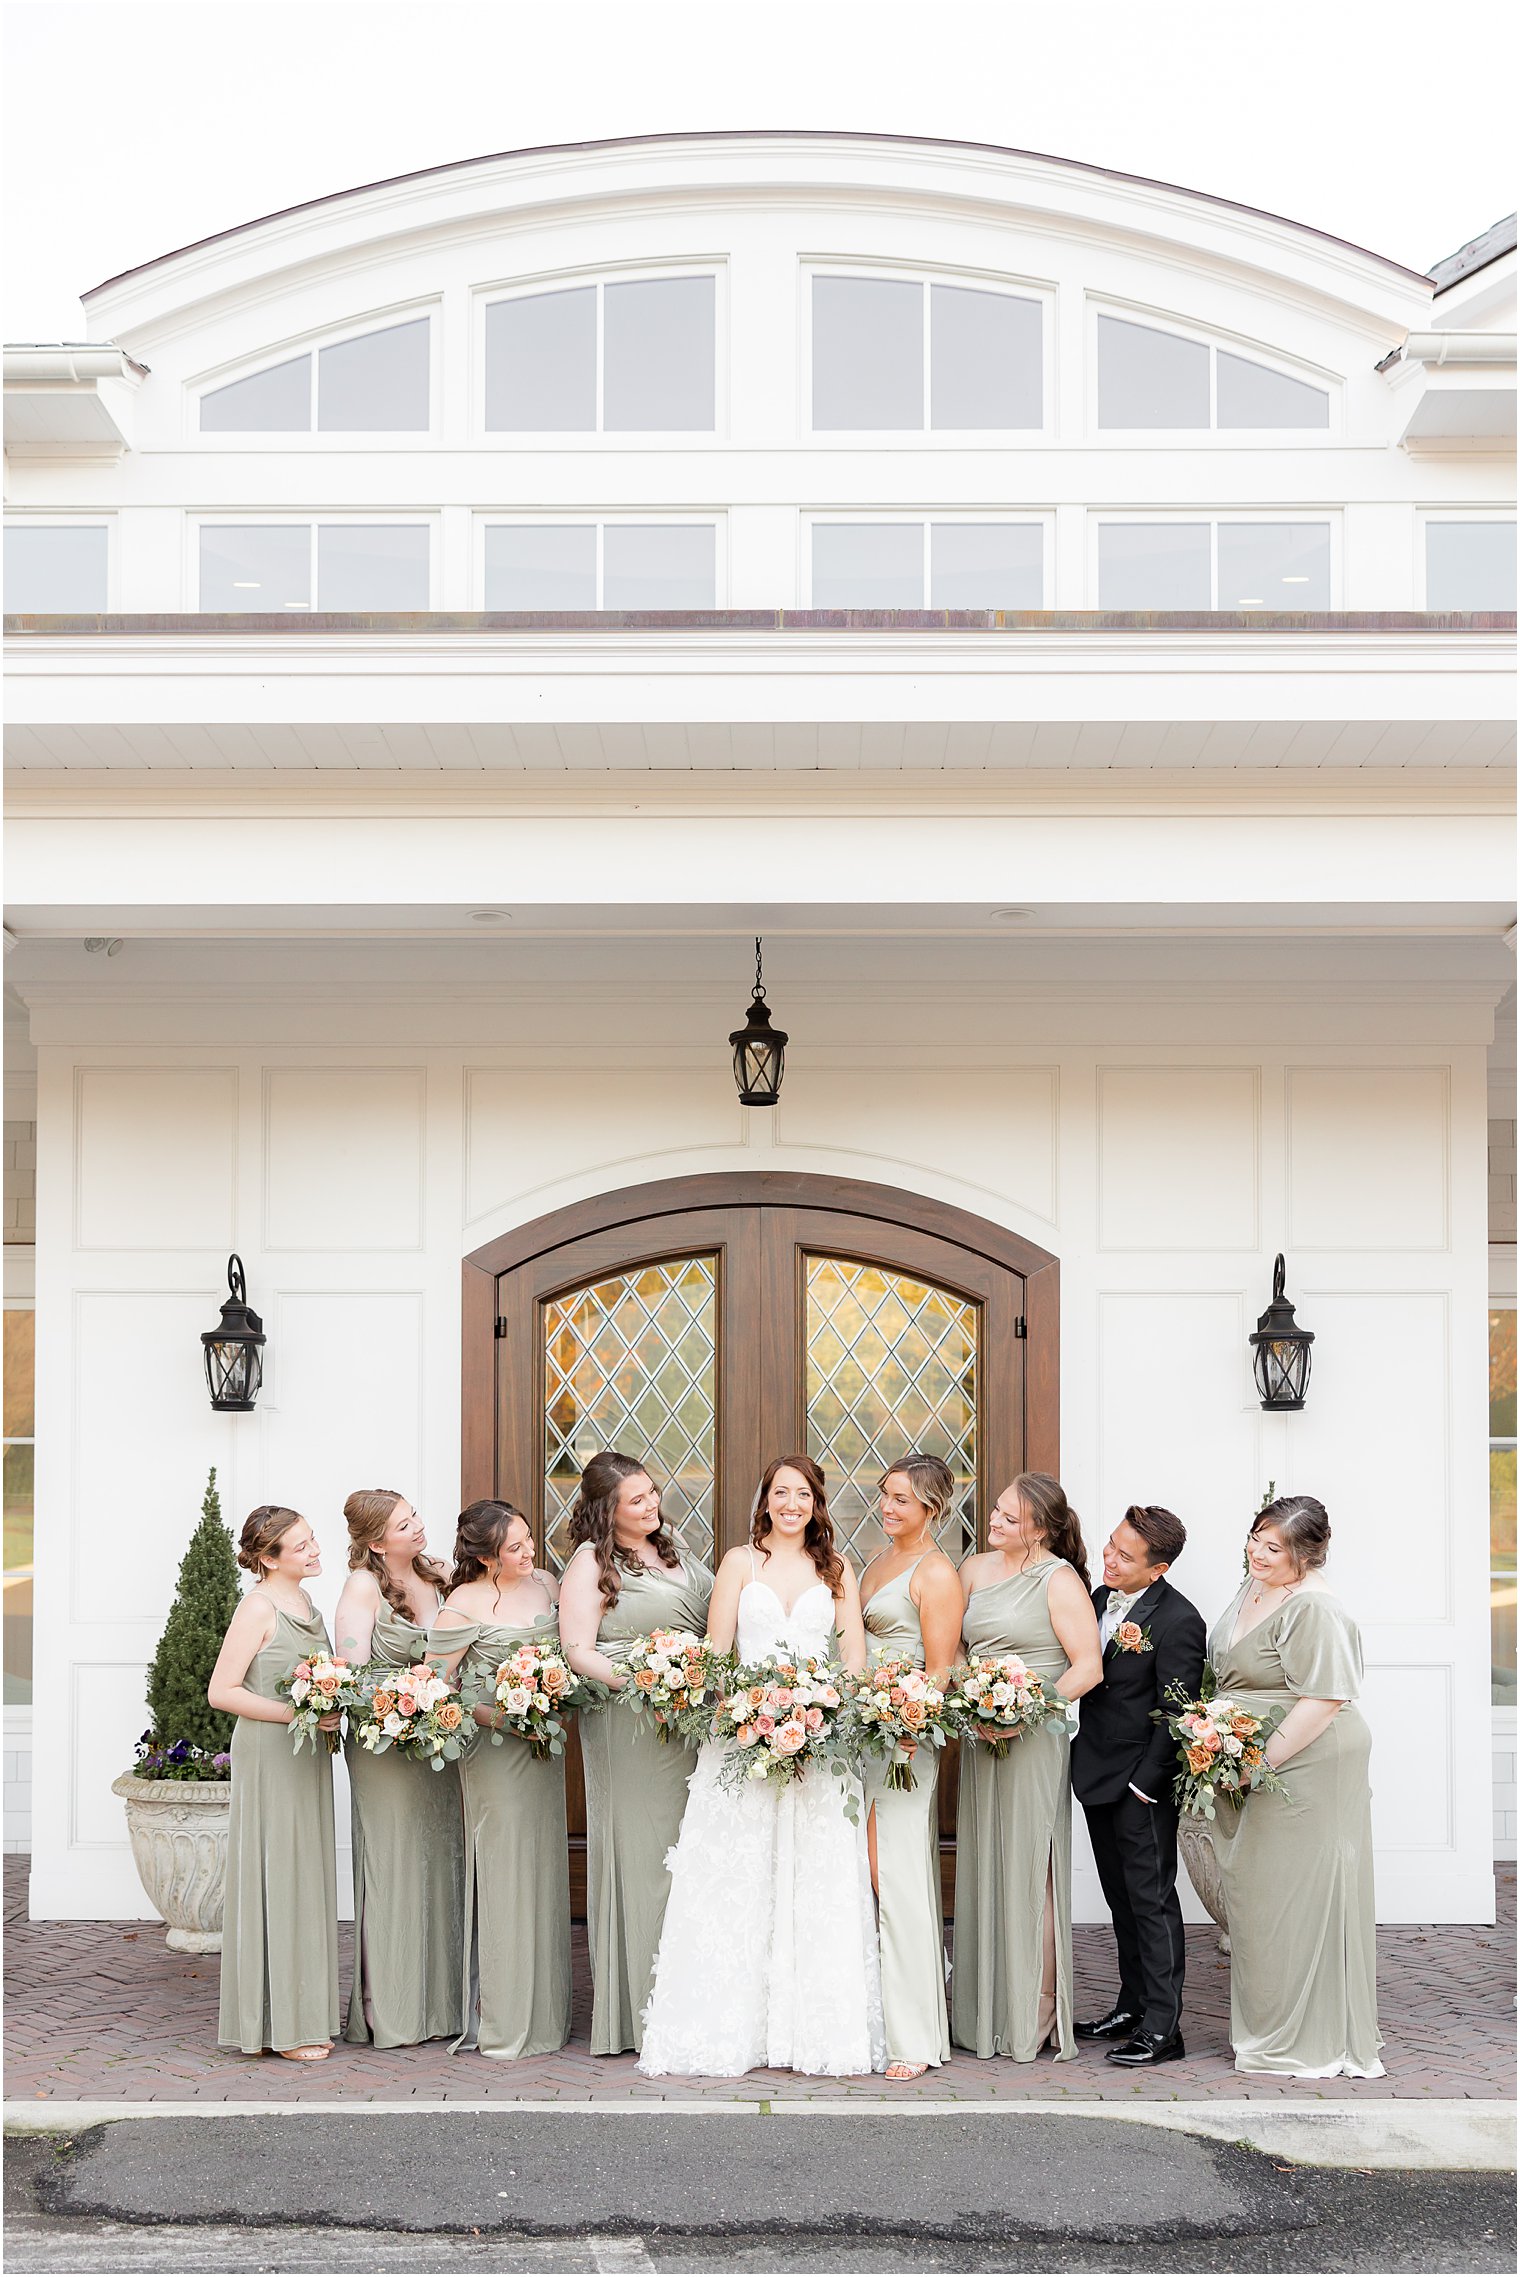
(1425, 515)
(1213, 436)
(21, 517)
(581, 517)
(311, 343)
(585, 438)
(927, 436)
(1041, 517)
(263, 518)
(1099, 517)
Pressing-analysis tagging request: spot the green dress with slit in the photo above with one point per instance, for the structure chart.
(1296, 1869)
(1013, 1843)
(907, 1859)
(408, 1832)
(515, 1976)
(635, 1795)
(280, 1924)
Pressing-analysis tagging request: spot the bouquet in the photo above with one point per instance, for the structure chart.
(673, 1677)
(894, 1711)
(535, 1689)
(413, 1710)
(995, 1699)
(1221, 1748)
(316, 1688)
(781, 1716)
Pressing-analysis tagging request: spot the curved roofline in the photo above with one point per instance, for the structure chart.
(757, 134)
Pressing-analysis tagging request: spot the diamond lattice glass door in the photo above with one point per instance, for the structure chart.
(631, 1362)
(892, 1364)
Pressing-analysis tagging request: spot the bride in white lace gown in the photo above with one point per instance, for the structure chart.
(768, 1957)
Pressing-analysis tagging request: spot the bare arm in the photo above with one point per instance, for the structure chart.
(354, 1621)
(249, 1630)
(848, 1625)
(1076, 1626)
(580, 1617)
(1300, 1727)
(723, 1611)
(941, 1609)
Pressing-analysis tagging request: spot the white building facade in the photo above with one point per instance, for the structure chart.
(1071, 619)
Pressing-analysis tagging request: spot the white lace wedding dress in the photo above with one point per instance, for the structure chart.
(769, 1954)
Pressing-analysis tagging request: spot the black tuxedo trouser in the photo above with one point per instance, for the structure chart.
(1135, 1848)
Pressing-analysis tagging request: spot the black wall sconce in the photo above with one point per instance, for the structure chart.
(1282, 1356)
(234, 1349)
(759, 1050)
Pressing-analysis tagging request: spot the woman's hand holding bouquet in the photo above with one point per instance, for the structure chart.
(535, 1689)
(782, 1716)
(319, 1691)
(1221, 1748)
(894, 1711)
(995, 1699)
(413, 1710)
(674, 1678)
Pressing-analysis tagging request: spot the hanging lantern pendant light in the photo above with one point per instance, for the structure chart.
(1282, 1356)
(759, 1049)
(234, 1349)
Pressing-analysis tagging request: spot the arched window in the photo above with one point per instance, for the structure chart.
(895, 354)
(633, 355)
(373, 383)
(1152, 379)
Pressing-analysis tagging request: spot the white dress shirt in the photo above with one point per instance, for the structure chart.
(1115, 1611)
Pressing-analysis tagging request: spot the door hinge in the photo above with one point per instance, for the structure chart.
(501, 1325)
(1020, 1326)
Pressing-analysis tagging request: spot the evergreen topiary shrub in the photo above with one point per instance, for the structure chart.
(186, 1737)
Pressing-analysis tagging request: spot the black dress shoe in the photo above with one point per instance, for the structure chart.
(1119, 2023)
(1148, 2048)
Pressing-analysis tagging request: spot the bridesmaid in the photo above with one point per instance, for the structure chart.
(1027, 1593)
(516, 1967)
(626, 1577)
(408, 1821)
(1297, 1868)
(280, 1928)
(912, 1606)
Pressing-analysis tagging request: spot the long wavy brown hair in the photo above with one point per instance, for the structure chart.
(818, 1541)
(1044, 1500)
(367, 1513)
(478, 1538)
(591, 1520)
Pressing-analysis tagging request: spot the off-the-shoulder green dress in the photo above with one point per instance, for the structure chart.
(907, 1859)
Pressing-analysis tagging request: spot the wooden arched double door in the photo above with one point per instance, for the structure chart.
(708, 1324)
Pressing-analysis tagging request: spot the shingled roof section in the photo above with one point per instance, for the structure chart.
(1491, 245)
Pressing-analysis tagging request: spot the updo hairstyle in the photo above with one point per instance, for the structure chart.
(263, 1531)
(478, 1538)
(932, 1481)
(1304, 1527)
(368, 1513)
(1043, 1501)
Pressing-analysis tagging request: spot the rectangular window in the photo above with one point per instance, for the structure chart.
(256, 565)
(659, 565)
(1153, 565)
(1501, 1502)
(938, 565)
(986, 565)
(901, 353)
(55, 571)
(1274, 565)
(1150, 379)
(620, 565)
(541, 567)
(868, 565)
(1470, 565)
(372, 566)
(1223, 565)
(20, 1458)
(268, 567)
(377, 384)
(622, 358)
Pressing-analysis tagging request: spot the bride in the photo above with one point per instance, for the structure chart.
(768, 1955)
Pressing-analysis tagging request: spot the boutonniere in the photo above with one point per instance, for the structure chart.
(1130, 1637)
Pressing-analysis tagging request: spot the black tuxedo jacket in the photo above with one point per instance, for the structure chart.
(1117, 1746)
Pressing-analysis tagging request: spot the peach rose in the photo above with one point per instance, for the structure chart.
(1198, 1758)
(385, 1704)
(790, 1738)
(644, 1680)
(913, 1714)
(450, 1715)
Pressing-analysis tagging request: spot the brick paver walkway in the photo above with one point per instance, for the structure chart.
(103, 2010)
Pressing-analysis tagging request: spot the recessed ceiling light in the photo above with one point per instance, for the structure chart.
(1012, 916)
(1295, 581)
(246, 585)
(490, 916)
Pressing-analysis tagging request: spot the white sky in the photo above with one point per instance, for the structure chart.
(135, 126)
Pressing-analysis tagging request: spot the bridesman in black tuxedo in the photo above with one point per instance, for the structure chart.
(1122, 1767)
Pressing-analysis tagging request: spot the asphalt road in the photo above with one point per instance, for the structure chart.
(643, 2192)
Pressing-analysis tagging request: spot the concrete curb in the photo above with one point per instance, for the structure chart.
(1408, 2134)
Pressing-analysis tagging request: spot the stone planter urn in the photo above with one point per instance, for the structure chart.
(178, 1829)
(1196, 1843)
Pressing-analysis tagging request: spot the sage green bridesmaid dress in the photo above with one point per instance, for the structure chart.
(1297, 1868)
(635, 1795)
(408, 1829)
(1012, 1843)
(907, 1860)
(515, 1976)
(280, 1924)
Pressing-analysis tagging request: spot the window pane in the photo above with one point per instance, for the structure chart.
(256, 566)
(20, 1346)
(657, 356)
(1153, 565)
(1469, 565)
(1501, 1374)
(60, 571)
(891, 1363)
(649, 565)
(868, 353)
(541, 568)
(1274, 565)
(1501, 1536)
(632, 1362)
(868, 565)
(1150, 379)
(986, 565)
(1248, 395)
(376, 383)
(275, 402)
(984, 359)
(372, 566)
(541, 363)
(19, 1480)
